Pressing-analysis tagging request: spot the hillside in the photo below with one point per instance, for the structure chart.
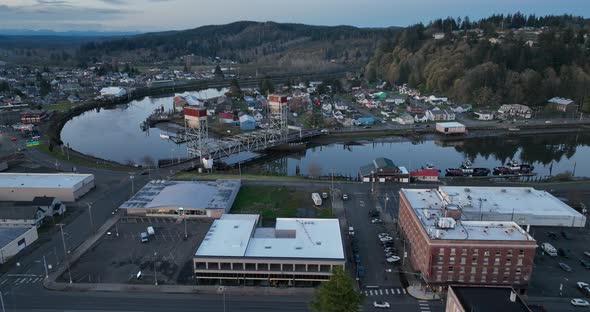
(501, 59)
(283, 45)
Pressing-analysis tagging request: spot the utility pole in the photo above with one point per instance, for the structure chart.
(372, 181)
(3, 310)
(332, 172)
(91, 220)
(63, 240)
(45, 266)
(131, 177)
(185, 231)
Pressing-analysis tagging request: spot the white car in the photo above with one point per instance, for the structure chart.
(393, 259)
(383, 235)
(386, 239)
(380, 304)
(581, 285)
(376, 221)
(580, 302)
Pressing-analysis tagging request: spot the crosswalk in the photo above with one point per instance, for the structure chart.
(20, 280)
(424, 306)
(374, 292)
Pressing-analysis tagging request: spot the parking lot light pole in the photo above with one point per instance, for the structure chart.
(45, 266)
(90, 214)
(155, 269)
(2, 301)
(131, 177)
(372, 182)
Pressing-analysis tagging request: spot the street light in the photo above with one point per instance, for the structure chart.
(90, 214)
(372, 181)
(181, 213)
(155, 269)
(65, 251)
(131, 177)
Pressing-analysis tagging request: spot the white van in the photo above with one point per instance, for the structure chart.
(351, 231)
(150, 230)
(549, 249)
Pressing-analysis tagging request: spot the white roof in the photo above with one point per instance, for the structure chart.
(43, 180)
(233, 236)
(427, 204)
(218, 194)
(561, 101)
(112, 91)
(450, 124)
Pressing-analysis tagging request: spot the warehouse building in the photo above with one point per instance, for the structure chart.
(448, 248)
(66, 187)
(183, 198)
(15, 239)
(295, 252)
(450, 128)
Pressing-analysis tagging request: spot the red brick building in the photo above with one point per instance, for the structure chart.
(448, 250)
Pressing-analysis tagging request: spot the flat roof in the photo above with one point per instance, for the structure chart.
(450, 124)
(42, 180)
(219, 194)
(489, 299)
(427, 204)
(514, 201)
(233, 236)
(9, 234)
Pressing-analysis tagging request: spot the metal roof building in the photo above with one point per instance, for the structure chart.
(188, 198)
(296, 249)
(67, 187)
(15, 239)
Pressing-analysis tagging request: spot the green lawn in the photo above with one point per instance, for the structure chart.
(275, 202)
(62, 106)
(79, 160)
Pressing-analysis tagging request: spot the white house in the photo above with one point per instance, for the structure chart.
(258, 117)
(420, 118)
(481, 115)
(112, 92)
(438, 36)
(436, 100)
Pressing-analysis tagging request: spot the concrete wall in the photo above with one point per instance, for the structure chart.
(27, 194)
(13, 248)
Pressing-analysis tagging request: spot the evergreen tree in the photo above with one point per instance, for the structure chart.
(266, 86)
(44, 87)
(218, 72)
(337, 295)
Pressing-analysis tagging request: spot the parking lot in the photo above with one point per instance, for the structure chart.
(547, 275)
(120, 255)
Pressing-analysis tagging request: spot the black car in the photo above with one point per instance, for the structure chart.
(585, 263)
(567, 235)
(374, 213)
(551, 235)
(562, 253)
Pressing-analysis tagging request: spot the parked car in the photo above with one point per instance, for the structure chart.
(551, 235)
(386, 239)
(585, 263)
(580, 302)
(581, 285)
(562, 253)
(344, 196)
(381, 304)
(376, 221)
(374, 213)
(567, 235)
(393, 259)
(565, 267)
(144, 237)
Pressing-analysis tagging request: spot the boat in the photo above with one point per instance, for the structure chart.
(513, 167)
(164, 136)
(466, 170)
(295, 146)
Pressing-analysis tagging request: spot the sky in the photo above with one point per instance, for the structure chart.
(155, 15)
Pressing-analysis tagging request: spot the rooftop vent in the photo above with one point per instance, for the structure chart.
(318, 243)
(236, 226)
(467, 190)
(503, 190)
(267, 247)
(298, 247)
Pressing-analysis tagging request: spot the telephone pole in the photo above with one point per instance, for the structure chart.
(63, 240)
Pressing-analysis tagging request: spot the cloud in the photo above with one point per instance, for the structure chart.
(48, 2)
(115, 2)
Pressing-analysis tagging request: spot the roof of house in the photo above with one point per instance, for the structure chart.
(42, 180)
(489, 299)
(226, 116)
(382, 162)
(18, 212)
(450, 124)
(424, 172)
(43, 200)
(247, 118)
(237, 236)
(561, 101)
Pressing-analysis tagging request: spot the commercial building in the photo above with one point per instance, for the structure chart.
(425, 175)
(484, 299)
(295, 252)
(183, 198)
(384, 170)
(523, 205)
(562, 104)
(448, 249)
(26, 186)
(247, 122)
(112, 92)
(15, 239)
(450, 127)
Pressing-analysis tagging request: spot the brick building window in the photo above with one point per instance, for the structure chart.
(464, 251)
(440, 259)
(496, 261)
(473, 260)
(521, 252)
(508, 262)
(484, 270)
(462, 270)
(509, 253)
(451, 269)
(441, 251)
(505, 279)
(518, 270)
(473, 270)
(519, 262)
(475, 251)
(452, 251)
(451, 260)
(486, 261)
(486, 253)
(495, 271)
(506, 270)
(497, 253)
(438, 277)
(462, 260)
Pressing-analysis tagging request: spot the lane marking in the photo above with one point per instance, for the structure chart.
(398, 292)
(387, 291)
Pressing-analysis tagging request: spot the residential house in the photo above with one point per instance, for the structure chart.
(404, 119)
(437, 115)
(459, 109)
(247, 122)
(425, 175)
(437, 100)
(258, 116)
(30, 213)
(438, 36)
(515, 110)
(484, 115)
(420, 118)
(226, 117)
(112, 92)
(384, 170)
(563, 105)
(32, 116)
(364, 121)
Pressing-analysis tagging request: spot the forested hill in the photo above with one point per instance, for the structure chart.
(501, 59)
(241, 41)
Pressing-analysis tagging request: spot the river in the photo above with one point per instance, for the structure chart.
(115, 134)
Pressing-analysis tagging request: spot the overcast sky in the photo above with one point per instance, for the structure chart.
(151, 15)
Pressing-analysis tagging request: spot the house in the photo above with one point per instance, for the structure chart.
(384, 170)
(563, 105)
(462, 108)
(438, 36)
(247, 122)
(437, 100)
(425, 174)
(258, 117)
(484, 115)
(396, 99)
(226, 117)
(30, 213)
(420, 118)
(450, 128)
(112, 92)
(437, 115)
(515, 110)
(404, 119)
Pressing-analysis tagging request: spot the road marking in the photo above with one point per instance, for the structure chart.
(380, 292)
(387, 291)
(398, 292)
(393, 291)
(404, 291)
(3, 281)
(370, 292)
(422, 301)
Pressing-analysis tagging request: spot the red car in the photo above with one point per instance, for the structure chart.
(13, 139)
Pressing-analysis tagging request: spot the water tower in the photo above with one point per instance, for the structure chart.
(196, 129)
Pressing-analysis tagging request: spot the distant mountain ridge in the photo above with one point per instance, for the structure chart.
(68, 33)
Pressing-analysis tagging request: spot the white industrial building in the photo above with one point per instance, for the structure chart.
(15, 239)
(183, 198)
(112, 92)
(295, 251)
(523, 205)
(67, 187)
